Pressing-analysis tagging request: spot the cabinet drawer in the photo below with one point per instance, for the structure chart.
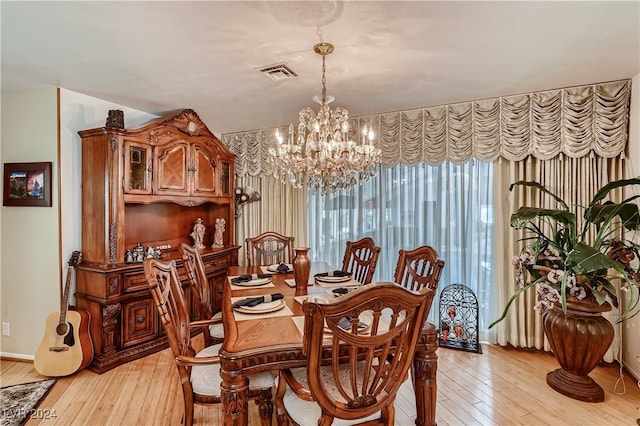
(139, 321)
(216, 264)
(134, 282)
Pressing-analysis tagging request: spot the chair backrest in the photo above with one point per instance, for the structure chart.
(419, 268)
(361, 258)
(168, 296)
(269, 248)
(368, 366)
(198, 282)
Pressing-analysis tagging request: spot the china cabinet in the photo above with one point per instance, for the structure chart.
(144, 189)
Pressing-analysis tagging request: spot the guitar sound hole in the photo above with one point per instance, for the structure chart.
(62, 329)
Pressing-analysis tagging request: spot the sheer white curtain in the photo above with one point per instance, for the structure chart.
(448, 207)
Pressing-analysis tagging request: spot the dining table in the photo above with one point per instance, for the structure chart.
(268, 339)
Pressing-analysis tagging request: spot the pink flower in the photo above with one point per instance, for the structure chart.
(555, 276)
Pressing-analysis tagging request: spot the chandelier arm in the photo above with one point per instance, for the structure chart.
(322, 157)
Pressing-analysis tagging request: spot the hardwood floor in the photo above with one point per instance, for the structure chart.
(501, 386)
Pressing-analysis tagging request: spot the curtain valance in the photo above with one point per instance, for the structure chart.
(573, 121)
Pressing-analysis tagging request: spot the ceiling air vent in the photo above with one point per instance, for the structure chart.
(278, 72)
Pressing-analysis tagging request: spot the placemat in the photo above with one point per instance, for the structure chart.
(291, 282)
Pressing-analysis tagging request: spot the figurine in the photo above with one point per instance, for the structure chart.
(151, 253)
(217, 237)
(138, 253)
(128, 256)
(198, 234)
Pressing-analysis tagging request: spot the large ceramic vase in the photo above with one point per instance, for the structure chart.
(579, 339)
(301, 270)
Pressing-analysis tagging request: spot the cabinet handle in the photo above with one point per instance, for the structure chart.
(140, 319)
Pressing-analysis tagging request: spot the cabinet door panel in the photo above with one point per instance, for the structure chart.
(171, 169)
(139, 321)
(204, 176)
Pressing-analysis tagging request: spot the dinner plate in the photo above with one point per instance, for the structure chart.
(253, 283)
(333, 279)
(274, 268)
(263, 308)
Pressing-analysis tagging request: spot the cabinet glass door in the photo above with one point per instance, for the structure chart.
(137, 168)
(225, 178)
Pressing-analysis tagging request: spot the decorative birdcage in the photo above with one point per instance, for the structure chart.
(458, 311)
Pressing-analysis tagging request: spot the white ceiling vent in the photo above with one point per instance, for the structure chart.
(278, 72)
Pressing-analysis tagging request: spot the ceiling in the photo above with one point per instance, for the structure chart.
(161, 57)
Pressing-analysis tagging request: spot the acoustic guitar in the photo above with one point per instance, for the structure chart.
(66, 346)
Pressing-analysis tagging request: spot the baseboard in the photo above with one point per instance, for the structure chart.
(8, 356)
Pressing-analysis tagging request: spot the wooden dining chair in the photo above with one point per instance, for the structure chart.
(201, 294)
(361, 258)
(418, 268)
(199, 372)
(269, 248)
(357, 379)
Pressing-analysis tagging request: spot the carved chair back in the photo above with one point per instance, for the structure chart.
(198, 284)
(269, 248)
(361, 258)
(419, 268)
(199, 373)
(366, 365)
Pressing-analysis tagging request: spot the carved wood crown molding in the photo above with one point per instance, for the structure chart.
(188, 122)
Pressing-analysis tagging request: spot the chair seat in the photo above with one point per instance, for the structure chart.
(307, 412)
(206, 380)
(217, 330)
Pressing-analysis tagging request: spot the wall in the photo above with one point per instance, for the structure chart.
(631, 328)
(30, 133)
(30, 260)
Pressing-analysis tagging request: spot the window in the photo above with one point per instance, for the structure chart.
(448, 207)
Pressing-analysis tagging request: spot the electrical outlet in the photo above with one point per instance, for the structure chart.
(6, 331)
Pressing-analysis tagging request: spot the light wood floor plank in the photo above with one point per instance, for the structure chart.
(501, 386)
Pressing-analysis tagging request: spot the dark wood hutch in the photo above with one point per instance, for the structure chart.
(147, 187)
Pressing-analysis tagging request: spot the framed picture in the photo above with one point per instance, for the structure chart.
(27, 184)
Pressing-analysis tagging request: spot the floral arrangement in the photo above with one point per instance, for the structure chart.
(563, 263)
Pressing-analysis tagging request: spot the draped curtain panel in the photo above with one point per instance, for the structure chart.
(575, 180)
(281, 209)
(573, 121)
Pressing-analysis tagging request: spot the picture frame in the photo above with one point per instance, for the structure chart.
(27, 184)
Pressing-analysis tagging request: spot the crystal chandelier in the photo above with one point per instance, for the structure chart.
(320, 155)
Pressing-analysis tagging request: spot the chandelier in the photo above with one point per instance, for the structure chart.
(321, 155)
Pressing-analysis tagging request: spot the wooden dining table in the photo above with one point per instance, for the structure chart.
(254, 344)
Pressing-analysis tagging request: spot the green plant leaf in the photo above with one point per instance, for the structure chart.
(602, 192)
(541, 188)
(527, 214)
(628, 213)
(585, 259)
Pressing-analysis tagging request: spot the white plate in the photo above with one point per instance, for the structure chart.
(263, 308)
(274, 268)
(334, 279)
(253, 283)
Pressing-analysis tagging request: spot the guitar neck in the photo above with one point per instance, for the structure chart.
(64, 303)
